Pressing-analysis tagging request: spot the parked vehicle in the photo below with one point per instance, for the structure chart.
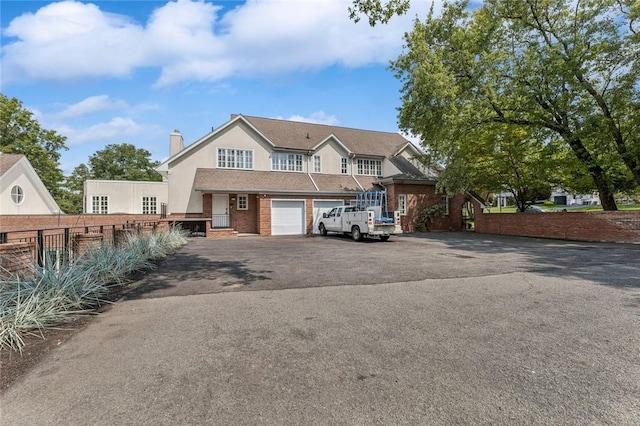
(368, 218)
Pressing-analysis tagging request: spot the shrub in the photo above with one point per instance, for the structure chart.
(56, 292)
(426, 216)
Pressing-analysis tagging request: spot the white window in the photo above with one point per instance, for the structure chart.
(343, 166)
(100, 204)
(149, 205)
(369, 167)
(286, 162)
(444, 201)
(235, 159)
(243, 202)
(402, 204)
(317, 164)
(17, 194)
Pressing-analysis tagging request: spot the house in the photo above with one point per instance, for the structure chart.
(276, 177)
(124, 196)
(21, 190)
(562, 197)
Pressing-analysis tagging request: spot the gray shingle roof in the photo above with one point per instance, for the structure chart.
(300, 135)
(7, 161)
(252, 181)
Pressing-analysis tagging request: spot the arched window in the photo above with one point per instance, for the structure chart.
(17, 195)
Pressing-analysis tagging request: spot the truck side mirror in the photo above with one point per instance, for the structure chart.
(324, 215)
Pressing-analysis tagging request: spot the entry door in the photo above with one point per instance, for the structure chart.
(220, 213)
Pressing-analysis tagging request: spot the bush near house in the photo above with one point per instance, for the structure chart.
(54, 293)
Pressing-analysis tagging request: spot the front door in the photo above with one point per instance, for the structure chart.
(220, 213)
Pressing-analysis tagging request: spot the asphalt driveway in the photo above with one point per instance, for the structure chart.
(442, 328)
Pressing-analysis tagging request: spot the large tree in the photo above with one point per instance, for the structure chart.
(20, 133)
(568, 71)
(123, 162)
(114, 162)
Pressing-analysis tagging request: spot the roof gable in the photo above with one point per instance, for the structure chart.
(13, 165)
(7, 161)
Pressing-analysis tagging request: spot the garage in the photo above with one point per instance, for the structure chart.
(287, 217)
(322, 206)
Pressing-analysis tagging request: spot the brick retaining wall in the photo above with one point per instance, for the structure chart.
(609, 226)
(18, 222)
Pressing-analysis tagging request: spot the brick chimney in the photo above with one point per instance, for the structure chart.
(176, 142)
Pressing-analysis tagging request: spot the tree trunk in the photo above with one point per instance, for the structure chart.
(597, 174)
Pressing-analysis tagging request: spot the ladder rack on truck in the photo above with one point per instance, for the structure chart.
(375, 201)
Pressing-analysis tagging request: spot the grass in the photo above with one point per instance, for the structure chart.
(52, 295)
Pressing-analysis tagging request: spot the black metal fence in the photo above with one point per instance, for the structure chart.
(65, 244)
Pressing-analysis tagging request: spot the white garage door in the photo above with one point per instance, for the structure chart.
(322, 206)
(287, 217)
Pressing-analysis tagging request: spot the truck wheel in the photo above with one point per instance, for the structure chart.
(355, 233)
(323, 230)
(384, 238)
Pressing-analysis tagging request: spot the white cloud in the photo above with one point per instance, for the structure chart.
(117, 128)
(192, 40)
(90, 105)
(318, 117)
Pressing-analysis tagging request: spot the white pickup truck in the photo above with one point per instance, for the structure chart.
(359, 223)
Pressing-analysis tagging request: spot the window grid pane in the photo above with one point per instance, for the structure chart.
(286, 162)
(369, 167)
(235, 158)
(343, 166)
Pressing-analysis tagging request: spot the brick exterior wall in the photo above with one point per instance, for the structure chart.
(244, 221)
(420, 196)
(16, 259)
(610, 226)
(20, 222)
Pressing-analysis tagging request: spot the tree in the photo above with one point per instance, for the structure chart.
(568, 71)
(114, 162)
(506, 159)
(123, 162)
(20, 133)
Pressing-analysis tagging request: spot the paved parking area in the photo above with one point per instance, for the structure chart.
(442, 328)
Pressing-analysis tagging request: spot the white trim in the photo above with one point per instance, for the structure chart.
(99, 203)
(319, 158)
(217, 163)
(246, 197)
(150, 197)
(164, 166)
(335, 138)
(402, 208)
(19, 193)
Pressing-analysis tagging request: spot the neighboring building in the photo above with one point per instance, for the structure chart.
(559, 196)
(21, 190)
(124, 196)
(277, 177)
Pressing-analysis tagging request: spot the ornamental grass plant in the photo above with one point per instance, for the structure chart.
(55, 292)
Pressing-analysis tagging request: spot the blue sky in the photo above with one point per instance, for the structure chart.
(132, 71)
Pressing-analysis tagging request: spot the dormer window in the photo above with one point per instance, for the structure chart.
(317, 164)
(286, 162)
(369, 167)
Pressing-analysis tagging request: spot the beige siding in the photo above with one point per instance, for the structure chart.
(32, 202)
(36, 200)
(125, 196)
(331, 154)
(182, 196)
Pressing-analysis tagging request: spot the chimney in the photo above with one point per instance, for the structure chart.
(176, 143)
